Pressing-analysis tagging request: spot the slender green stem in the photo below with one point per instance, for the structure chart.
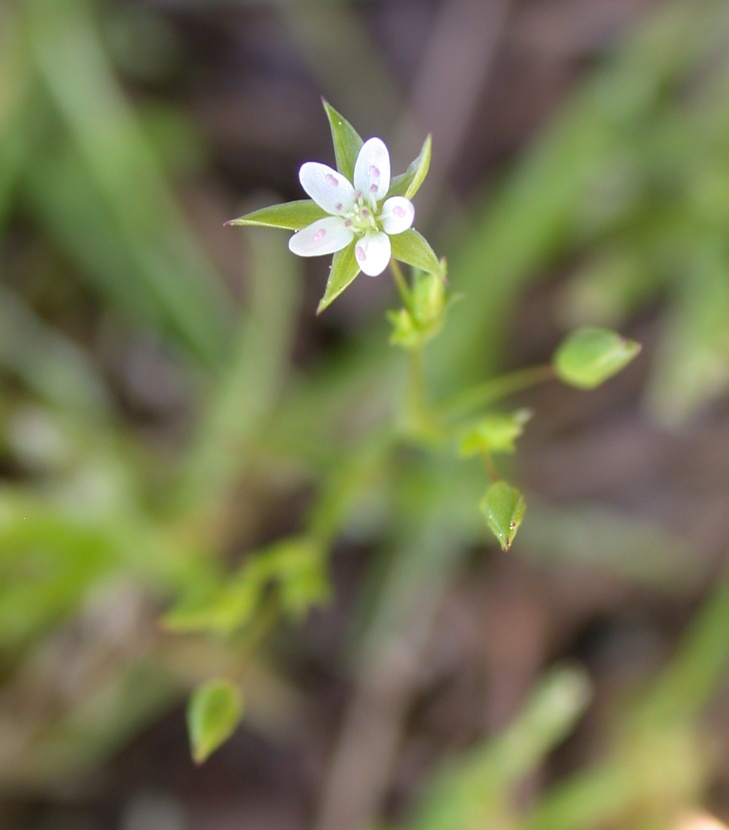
(490, 468)
(416, 382)
(497, 389)
(406, 295)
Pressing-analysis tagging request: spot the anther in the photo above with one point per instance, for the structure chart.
(329, 179)
(319, 235)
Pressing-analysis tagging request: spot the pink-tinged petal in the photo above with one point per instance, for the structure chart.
(328, 188)
(373, 253)
(372, 170)
(325, 236)
(397, 215)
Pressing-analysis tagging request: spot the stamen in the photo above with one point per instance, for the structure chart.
(373, 171)
(347, 223)
(339, 206)
(359, 252)
(399, 210)
(319, 235)
(365, 212)
(373, 188)
(329, 179)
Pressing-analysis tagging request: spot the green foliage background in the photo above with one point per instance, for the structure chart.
(134, 563)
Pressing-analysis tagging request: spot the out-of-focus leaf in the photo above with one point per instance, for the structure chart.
(213, 714)
(590, 356)
(503, 508)
(493, 433)
(219, 608)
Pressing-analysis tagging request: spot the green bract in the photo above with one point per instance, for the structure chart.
(357, 212)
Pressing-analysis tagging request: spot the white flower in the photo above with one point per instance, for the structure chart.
(360, 213)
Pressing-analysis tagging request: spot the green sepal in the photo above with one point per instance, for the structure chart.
(503, 508)
(405, 331)
(408, 183)
(290, 216)
(213, 713)
(429, 298)
(414, 249)
(423, 318)
(589, 356)
(347, 141)
(343, 271)
(494, 433)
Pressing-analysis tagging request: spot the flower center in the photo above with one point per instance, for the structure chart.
(360, 217)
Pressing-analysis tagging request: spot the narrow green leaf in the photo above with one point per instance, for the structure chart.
(408, 183)
(414, 249)
(494, 433)
(213, 713)
(503, 507)
(291, 216)
(347, 141)
(343, 271)
(589, 356)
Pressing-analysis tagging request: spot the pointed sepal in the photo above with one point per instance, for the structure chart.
(343, 271)
(413, 248)
(347, 141)
(290, 216)
(408, 183)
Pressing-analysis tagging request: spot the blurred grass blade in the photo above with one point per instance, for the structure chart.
(166, 264)
(255, 375)
(53, 367)
(477, 790)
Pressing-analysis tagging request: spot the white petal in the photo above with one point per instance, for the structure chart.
(397, 215)
(373, 253)
(328, 188)
(372, 170)
(325, 236)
